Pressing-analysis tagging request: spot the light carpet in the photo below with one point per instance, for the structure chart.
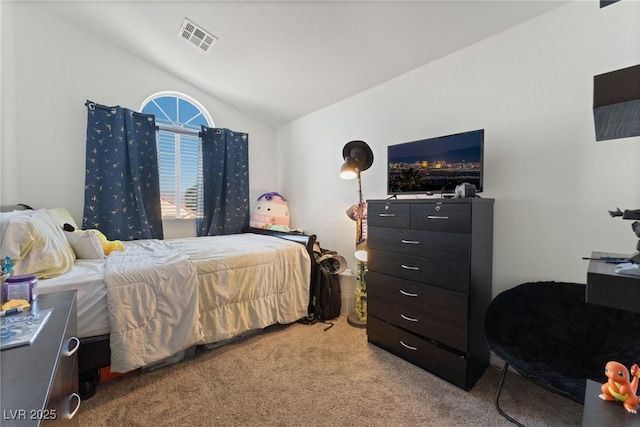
(302, 375)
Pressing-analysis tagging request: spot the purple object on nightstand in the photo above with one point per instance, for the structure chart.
(24, 286)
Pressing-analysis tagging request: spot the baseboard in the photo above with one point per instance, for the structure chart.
(498, 363)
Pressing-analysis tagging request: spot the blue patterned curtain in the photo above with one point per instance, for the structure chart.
(122, 186)
(225, 189)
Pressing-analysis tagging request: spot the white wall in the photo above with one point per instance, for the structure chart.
(530, 88)
(47, 74)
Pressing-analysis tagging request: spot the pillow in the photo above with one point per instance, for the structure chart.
(62, 217)
(35, 244)
(5, 216)
(85, 244)
(108, 246)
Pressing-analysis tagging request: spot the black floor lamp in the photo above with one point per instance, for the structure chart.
(358, 157)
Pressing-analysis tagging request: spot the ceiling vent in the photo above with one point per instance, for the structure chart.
(196, 35)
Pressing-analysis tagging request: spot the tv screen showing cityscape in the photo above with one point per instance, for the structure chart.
(436, 165)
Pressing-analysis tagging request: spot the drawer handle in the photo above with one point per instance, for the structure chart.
(75, 410)
(410, 319)
(387, 215)
(410, 242)
(408, 267)
(72, 351)
(437, 217)
(408, 346)
(408, 294)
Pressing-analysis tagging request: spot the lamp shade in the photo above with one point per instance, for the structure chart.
(361, 251)
(349, 169)
(357, 157)
(352, 212)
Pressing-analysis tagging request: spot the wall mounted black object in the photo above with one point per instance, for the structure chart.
(616, 104)
(604, 3)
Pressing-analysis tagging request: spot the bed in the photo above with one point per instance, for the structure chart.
(157, 299)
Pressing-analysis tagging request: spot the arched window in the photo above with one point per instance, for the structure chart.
(179, 118)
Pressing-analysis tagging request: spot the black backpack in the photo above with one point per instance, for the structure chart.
(324, 298)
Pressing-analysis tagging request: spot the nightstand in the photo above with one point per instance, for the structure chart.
(40, 381)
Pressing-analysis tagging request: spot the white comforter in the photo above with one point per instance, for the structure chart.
(247, 282)
(152, 300)
(164, 296)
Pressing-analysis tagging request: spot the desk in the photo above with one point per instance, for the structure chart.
(599, 413)
(620, 291)
(605, 287)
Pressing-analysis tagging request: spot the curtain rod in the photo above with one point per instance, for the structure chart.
(178, 129)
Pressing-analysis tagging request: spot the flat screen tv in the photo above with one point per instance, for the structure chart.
(436, 165)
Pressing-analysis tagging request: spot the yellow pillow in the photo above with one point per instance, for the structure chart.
(62, 216)
(36, 244)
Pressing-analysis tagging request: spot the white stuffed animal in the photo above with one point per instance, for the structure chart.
(271, 213)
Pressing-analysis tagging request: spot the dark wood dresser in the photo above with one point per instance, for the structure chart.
(40, 381)
(429, 283)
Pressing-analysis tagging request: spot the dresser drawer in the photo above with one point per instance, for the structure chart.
(445, 274)
(431, 244)
(64, 400)
(446, 364)
(438, 216)
(394, 215)
(428, 311)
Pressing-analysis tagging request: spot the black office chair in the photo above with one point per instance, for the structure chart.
(548, 334)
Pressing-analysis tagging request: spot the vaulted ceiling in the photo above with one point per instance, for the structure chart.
(280, 60)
